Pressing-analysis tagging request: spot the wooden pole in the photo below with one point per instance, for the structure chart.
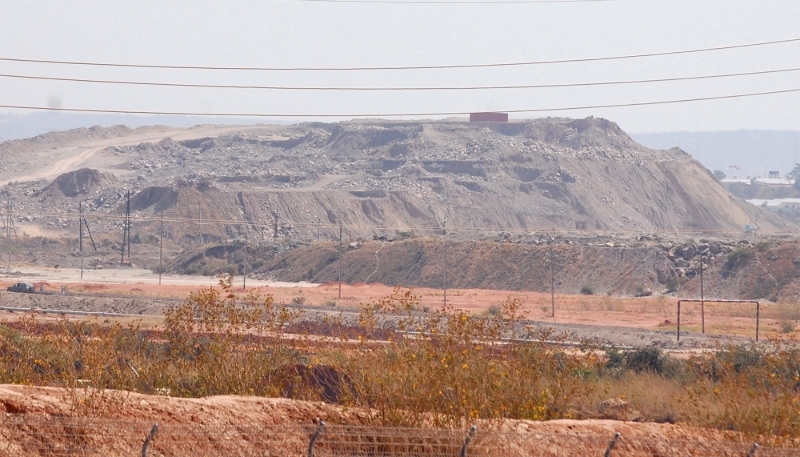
(340, 260)
(160, 247)
(552, 285)
(702, 303)
(8, 235)
(128, 211)
(80, 233)
(244, 280)
(444, 281)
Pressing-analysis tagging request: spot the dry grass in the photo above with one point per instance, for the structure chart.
(442, 367)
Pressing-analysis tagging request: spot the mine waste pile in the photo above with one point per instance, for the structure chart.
(287, 187)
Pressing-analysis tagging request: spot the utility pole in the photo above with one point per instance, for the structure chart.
(552, 284)
(8, 234)
(702, 303)
(89, 232)
(275, 232)
(80, 233)
(128, 211)
(200, 221)
(444, 282)
(340, 260)
(160, 246)
(244, 281)
(124, 231)
(317, 229)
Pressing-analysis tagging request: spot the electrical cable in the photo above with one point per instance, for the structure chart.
(362, 115)
(411, 67)
(268, 225)
(458, 2)
(317, 88)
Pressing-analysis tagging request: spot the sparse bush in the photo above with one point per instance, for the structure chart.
(298, 300)
(647, 359)
(587, 290)
(456, 369)
(787, 326)
(614, 359)
(494, 310)
(673, 283)
(762, 246)
(330, 303)
(738, 257)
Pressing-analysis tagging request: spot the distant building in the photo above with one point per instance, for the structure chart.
(774, 174)
(777, 204)
(488, 117)
(758, 181)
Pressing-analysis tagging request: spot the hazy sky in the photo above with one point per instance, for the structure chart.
(312, 34)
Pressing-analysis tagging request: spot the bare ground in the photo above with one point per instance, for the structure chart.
(43, 421)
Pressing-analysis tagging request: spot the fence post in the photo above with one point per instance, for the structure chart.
(611, 444)
(149, 439)
(679, 321)
(314, 438)
(753, 450)
(470, 435)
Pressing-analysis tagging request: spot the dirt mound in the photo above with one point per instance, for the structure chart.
(478, 265)
(76, 183)
(554, 173)
(61, 137)
(46, 420)
(157, 198)
(732, 270)
(381, 179)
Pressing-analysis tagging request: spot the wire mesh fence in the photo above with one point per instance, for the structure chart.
(75, 436)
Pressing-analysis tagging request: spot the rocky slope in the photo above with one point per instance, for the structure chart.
(387, 177)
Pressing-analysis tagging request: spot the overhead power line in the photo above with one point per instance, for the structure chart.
(458, 2)
(176, 219)
(442, 113)
(411, 67)
(317, 88)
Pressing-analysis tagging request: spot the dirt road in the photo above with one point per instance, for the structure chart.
(79, 153)
(129, 276)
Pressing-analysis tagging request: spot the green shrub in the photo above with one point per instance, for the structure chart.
(646, 359)
(587, 290)
(738, 258)
(673, 282)
(787, 327)
(614, 359)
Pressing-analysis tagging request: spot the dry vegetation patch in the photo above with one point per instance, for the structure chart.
(443, 367)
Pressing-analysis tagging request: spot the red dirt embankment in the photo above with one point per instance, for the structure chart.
(47, 421)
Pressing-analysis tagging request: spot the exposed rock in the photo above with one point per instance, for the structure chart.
(77, 183)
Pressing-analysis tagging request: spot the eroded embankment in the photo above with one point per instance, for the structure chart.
(45, 421)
